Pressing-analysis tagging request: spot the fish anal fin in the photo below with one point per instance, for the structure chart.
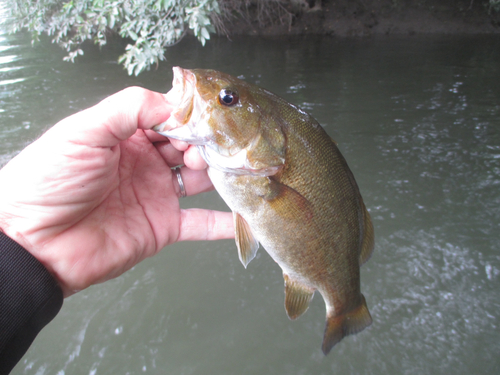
(368, 242)
(245, 241)
(339, 326)
(297, 297)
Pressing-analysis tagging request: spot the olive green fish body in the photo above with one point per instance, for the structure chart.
(289, 188)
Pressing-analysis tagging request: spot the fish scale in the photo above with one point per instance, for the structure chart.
(289, 187)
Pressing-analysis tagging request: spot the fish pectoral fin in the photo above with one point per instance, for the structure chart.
(245, 241)
(339, 326)
(287, 202)
(368, 238)
(297, 297)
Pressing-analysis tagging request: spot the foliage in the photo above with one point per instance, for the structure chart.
(152, 25)
(495, 5)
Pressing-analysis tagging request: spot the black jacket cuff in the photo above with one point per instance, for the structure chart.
(29, 299)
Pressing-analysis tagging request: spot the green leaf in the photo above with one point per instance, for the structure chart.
(204, 33)
(151, 24)
(133, 35)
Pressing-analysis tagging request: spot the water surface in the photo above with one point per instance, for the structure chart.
(418, 120)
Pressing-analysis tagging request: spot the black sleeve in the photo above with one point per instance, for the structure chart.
(29, 299)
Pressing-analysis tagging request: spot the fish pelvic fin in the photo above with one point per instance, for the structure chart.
(339, 326)
(368, 242)
(245, 241)
(297, 297)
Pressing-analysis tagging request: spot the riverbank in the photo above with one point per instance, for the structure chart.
(364, 18)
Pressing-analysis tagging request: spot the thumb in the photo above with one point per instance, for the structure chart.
(114, 119)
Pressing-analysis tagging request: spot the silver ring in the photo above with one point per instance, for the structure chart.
(181, 183)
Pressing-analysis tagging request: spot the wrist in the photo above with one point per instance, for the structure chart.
(8, 228)
(12, 227)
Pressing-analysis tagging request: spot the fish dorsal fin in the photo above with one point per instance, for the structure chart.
(245, 241)
(368, 237)
(297, 297)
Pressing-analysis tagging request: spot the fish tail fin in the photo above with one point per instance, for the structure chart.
(337, 327)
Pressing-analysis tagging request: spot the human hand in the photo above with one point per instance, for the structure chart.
(95, 194)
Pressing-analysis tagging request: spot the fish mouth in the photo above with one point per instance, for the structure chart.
(190, 122)
(187, 112)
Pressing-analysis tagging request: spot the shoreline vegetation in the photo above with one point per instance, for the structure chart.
(150, 27)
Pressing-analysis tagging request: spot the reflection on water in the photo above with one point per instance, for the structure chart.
(8, 58)
(418, 121)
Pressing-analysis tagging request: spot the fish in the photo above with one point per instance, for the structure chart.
(288, 186)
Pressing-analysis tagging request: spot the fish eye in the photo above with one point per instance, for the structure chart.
(228, 97)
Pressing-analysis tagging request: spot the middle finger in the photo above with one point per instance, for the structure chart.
(172, 156)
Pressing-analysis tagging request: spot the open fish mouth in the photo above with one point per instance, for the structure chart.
(195, 97)
(182, 123)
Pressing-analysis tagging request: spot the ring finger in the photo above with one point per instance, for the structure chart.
(194, 182)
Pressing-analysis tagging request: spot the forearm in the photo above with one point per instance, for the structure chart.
(29, 299)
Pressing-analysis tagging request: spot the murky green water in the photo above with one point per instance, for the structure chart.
(418, 120)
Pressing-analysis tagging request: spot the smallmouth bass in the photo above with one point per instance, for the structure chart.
(289, 189)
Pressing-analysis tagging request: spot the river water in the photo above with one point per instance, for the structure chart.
(418, 120)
